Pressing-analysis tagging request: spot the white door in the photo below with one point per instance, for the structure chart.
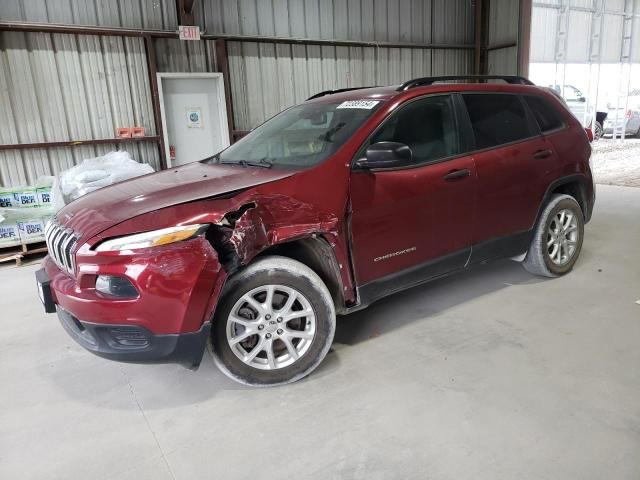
(194, 116)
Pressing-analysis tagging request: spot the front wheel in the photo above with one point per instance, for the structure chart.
(558, 237)
(275, 323)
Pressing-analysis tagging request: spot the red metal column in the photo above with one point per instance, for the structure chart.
(150, 50)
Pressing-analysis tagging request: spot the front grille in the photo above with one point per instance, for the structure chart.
(61, 242)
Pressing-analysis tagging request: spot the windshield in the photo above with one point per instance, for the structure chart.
(299, 137)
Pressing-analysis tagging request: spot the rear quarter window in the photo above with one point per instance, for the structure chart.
(497, 119)
(547, 116)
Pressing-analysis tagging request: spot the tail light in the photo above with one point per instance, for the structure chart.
(629, 114)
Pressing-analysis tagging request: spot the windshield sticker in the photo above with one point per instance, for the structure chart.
(365, 104)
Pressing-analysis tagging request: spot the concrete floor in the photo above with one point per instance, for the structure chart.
(492, 374)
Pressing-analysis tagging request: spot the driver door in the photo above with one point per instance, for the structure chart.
(414, 222)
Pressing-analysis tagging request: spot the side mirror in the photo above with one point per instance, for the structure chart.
(385, 155)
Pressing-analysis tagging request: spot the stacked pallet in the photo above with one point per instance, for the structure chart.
(23, 214)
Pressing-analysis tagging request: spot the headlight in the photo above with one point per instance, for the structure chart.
(152, 239)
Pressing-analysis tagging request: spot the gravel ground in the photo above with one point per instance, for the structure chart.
(616, 163)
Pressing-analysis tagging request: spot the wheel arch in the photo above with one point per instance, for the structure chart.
(574, 188)
(572, 185)
(316, 253)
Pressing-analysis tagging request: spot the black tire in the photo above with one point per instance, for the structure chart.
(598, 131)
(274, 270)
(538, 260)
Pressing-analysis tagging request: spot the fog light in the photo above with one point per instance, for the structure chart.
(115, 286)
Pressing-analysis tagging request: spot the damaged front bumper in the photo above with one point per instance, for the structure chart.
(134, 344)
(169, 321)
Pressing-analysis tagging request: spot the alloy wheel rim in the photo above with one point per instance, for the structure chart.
(562, 237)
(271, 327)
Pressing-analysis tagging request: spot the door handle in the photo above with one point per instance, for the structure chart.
(542, 154)
(457, 174)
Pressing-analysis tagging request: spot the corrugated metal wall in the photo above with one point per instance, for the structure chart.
(503, 61)
(583, 31)
(267, 77)
(592, 45)
(503, 29)
(174, 55)
(148, 14)
(56, 87)
(369, 20)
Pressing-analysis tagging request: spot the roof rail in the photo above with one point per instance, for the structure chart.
(425, 81)
(330, 92)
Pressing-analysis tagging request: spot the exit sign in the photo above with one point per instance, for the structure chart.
(188, 32)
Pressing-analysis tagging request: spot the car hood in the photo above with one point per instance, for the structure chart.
(108, 206)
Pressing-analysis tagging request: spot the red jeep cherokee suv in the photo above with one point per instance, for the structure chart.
(326, 207)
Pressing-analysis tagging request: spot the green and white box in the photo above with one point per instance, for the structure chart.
(6, 199)
(25, 197)
(31, 230)
(9, 234)
(43, 194)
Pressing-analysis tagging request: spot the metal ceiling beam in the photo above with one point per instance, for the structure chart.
(84, 29)
(481, 36)
(76, 143)
(152, 70)
(336, 43)
(222, 66)
(184, 9)
(477, 36)
(524, 36)
(132, 32)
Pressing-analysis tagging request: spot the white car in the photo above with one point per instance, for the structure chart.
(625, 117)
(582, 109)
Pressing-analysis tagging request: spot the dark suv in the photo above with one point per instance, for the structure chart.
(322, 210)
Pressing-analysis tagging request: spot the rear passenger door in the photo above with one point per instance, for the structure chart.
(513, 162)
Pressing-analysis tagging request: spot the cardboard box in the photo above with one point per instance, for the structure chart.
(137, 131)
(123, 132)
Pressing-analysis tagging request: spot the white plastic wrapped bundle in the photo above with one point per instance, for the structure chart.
(95, 173)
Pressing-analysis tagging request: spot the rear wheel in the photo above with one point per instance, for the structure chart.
(558, 237)
(275, 323)
(598, 131)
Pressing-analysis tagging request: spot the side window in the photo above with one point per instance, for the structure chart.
(545, 113)
(427, 126)
(496, 119)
